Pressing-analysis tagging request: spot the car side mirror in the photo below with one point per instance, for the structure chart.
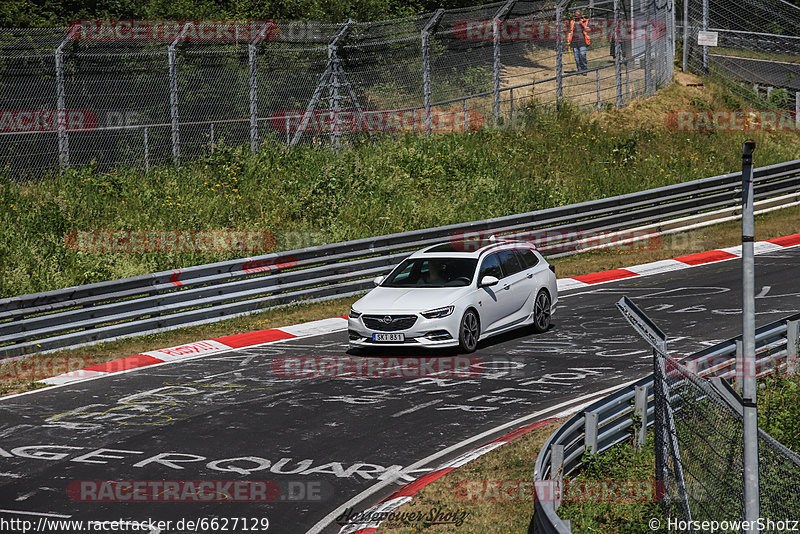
(487, 281)
(378, 279)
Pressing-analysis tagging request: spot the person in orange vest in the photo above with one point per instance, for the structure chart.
(578, 38)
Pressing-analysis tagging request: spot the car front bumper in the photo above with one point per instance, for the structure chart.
(425, 333)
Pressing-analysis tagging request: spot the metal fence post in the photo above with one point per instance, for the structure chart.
(617, 55)
(173, 97)
(251, 52)
(751, 488)
(797, 108)
(466, 116)
(640, 409)
(426, 68)
(792, 337)
(599, 105)
(590, 431)
(511, 106)
(705, 28)
(498, 17)
(61, 113)
(146, 142)
(212, 137)
(648, 49)
(685, 50)
(769, 91)
(559, 56)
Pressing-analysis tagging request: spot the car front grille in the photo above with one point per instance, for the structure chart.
(395, 323)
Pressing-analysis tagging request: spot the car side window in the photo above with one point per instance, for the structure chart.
(509, 262)
(491, 267)
(529, 257)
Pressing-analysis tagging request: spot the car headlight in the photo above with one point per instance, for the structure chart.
(354, 314)
(438, 312)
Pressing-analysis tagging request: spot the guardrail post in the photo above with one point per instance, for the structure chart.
(556, 472)
(739, 372)
(61, 112)
(559, 56)
(590, 431)
(640, 409)
(792, 338)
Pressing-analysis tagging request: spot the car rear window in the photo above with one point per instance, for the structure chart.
(529, 257)
(509, 261)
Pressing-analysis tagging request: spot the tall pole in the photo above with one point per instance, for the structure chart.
(705, 28)
(751, 493)
(685, 34)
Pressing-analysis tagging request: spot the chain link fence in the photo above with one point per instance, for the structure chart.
(757, 50)
(699, 452)
(73, 97)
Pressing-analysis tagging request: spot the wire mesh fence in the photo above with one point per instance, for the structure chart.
(699, 453)
(755, 48)
(92, 94)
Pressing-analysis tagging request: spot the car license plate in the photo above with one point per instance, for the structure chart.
(388, 337)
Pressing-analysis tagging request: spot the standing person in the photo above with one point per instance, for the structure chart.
(579, 40)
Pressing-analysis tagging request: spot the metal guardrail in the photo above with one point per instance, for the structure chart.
(145, 304)
(610, 420)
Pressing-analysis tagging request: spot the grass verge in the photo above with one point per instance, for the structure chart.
(513, 461)
(310, 195)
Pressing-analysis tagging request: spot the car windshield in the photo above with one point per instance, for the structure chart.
(432, 272)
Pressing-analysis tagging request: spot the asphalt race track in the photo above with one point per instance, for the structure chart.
(325, 441)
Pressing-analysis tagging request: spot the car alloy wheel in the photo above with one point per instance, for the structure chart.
(469, 331)
(541, 312)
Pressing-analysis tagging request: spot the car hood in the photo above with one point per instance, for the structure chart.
(415, 299)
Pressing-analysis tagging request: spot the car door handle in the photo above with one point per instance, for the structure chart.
(506, 286)
(530, 275)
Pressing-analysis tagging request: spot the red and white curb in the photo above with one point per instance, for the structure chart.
(337, 324)
(682, 262)
(205, 347)
(407, 492)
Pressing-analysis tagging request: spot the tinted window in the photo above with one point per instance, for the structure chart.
(491, 267)
(509, 261)
(432, 272)
(529, 257)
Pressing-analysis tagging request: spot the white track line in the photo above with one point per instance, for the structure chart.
(328, 519)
